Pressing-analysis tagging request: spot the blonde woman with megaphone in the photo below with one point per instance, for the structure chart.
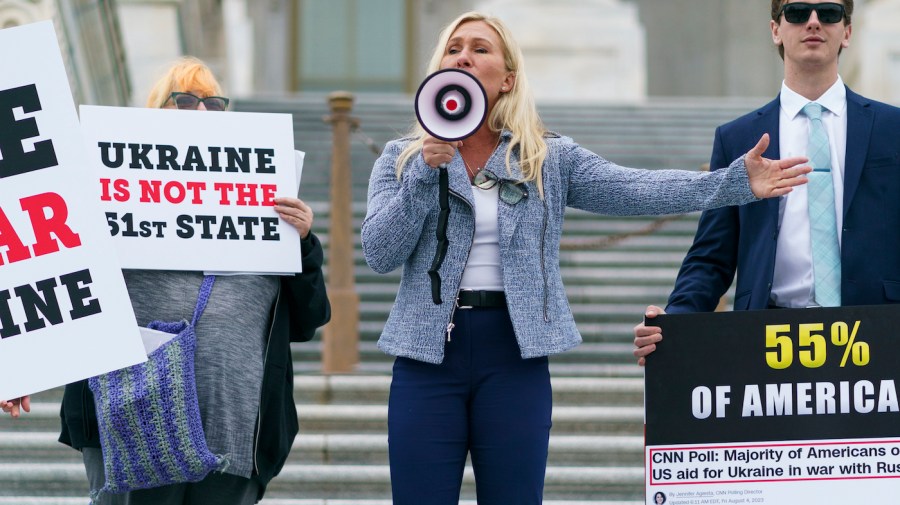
(471, 374)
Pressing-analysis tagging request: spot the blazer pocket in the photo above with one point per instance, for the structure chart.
(892, 290)
(890, 161)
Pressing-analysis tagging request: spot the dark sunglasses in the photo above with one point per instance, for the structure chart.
(799, 12)
(187, 101)
(510, 192)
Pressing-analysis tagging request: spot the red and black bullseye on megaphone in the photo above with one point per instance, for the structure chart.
(451, 104)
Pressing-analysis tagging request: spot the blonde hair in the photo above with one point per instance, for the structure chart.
(186, 74)
(514, 111)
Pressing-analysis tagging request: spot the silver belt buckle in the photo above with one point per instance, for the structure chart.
(458, 306)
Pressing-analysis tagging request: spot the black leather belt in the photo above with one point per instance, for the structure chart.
(469, 299)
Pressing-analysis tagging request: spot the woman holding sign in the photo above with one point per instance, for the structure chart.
(471, 374)
(242, 363)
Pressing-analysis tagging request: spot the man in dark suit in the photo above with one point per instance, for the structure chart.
(770, 243)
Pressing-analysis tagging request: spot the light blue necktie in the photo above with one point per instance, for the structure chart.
(826, 253)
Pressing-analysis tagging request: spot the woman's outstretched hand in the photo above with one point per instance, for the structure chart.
(770, 178)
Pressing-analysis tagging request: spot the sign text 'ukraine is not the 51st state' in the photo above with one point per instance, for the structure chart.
(188, 190)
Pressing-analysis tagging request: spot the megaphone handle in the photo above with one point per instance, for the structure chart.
(441, 234)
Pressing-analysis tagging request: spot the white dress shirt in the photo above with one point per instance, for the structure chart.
(792, 285)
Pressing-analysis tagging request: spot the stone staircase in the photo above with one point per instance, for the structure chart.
(341, 453)
(340, 456)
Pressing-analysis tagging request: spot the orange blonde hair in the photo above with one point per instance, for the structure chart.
(186, 74)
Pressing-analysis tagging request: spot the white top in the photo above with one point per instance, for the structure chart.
(792, 284)
(482, 271)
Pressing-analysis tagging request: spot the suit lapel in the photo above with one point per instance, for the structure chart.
(767, 121)
(859, 128)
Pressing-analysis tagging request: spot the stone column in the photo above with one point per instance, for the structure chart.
(274, 42)
(150, 33)
(20, 12)
(578, 49)
(239, 48)
(871, 65)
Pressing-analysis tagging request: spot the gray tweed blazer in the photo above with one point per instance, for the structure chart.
(401, 218)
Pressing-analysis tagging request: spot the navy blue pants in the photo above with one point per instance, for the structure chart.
(484, 399)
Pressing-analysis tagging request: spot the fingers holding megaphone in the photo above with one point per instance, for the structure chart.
(451, 104)
(438, 153)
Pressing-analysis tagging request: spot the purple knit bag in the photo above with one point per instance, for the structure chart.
(151, 434)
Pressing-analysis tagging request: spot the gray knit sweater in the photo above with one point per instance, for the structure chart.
(399, 230)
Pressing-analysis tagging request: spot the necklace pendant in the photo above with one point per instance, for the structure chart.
(472, 173)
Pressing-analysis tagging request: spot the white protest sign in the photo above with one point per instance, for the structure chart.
(298, 167)
(188, 190)
(64, 310)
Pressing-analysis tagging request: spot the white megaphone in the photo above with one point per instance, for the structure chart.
(451, 104)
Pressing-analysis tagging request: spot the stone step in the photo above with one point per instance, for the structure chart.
(591, 332)
(338, 389)
(339, 481)
(603, 222)
(623, 223)
(597, 321)
(609, 353)
(616, 331)
(51, 500)
(572, 275)
(579, 226)
(321, 419)
(599, 257)
(565, 450)
(587, 240)
(577, 293)
(349, 481)
(278, 501)
(373, 389)
(351, 448)
(372, 367)
(588, 237)
(35, 447)
(585, 313)
(632, 311)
